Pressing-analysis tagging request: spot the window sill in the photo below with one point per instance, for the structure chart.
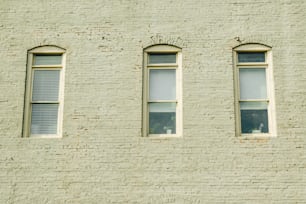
(163, 136)
(256, 135)
(45, 137)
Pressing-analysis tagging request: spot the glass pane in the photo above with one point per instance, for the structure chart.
(254, 117)
(45, 85)
(251, 57)
(44, 119)
(161, 58)
(253, 105)
(47, 60)
(162, 84)
(162, 118)
(253, 83)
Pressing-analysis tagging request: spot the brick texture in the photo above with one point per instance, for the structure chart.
(102, 157)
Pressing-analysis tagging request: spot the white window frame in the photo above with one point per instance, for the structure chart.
(162, 49)
(44, 50)
(268, 65)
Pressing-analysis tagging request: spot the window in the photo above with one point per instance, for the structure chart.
(162, 104)
(254, 91)
(44, 92)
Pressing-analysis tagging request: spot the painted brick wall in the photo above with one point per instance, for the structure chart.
(102, 157)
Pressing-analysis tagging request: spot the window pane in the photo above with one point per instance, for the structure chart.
(253, 83)
(161, 58)
(44, 118)
(45, 85)
(162, 84)
(47, 60)
(253, 105)
(251, 57)
(162, 118)
(254, 117)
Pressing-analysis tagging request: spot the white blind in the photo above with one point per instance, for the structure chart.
(162, 84)
(253, 105)
(162, 107)
(46, 85)
(44, 118)
(253, 83)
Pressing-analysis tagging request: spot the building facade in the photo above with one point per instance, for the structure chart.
(153, 101)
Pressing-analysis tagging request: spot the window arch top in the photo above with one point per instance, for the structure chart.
(47, 49)
(162, 48)
(252, 47)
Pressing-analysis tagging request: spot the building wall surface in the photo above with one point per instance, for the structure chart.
(102, 156)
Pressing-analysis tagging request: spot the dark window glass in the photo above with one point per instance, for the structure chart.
(251, 57)
(254, 121)
(162, 58)
(162, 123)
(162, 118)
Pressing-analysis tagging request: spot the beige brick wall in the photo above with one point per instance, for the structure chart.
(102, 157)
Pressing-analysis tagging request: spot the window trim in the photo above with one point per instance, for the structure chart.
(178, 67)
(268, 66)
(43, 50)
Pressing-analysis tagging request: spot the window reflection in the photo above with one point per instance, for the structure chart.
(251, 57)
(162, 123)
(254, 121)
(162, 118)
(161, 58)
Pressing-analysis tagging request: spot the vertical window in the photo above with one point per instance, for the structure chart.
(162, 104)
(44, 92)
(254, 91)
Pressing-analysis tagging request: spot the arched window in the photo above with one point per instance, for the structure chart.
(162, 91)
(44, 92)
(254, 90)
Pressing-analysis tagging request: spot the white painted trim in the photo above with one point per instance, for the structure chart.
(163, 49)
(252, 47)
(48, 49)
(178, 67)
(270, 87)
(29, 87)
(160, 66)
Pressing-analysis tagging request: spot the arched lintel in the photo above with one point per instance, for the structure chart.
(252, 47)
(162, 48)
(47, 49)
